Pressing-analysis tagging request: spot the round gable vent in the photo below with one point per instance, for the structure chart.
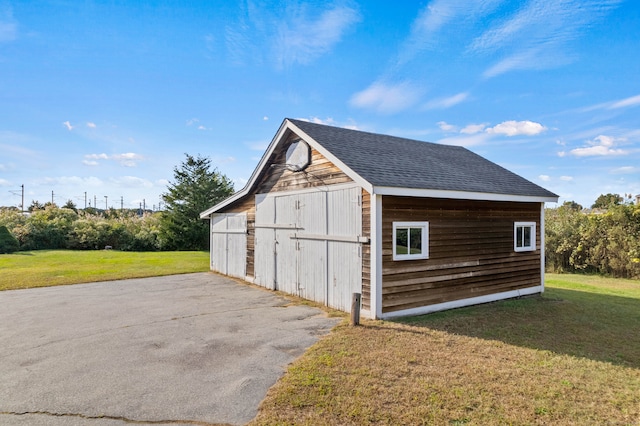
(298, 156)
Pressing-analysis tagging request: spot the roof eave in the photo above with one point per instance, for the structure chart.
(279, 136)
(462, 195)
(254, 176)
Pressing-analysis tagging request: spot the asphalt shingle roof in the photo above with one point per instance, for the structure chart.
(391, 161)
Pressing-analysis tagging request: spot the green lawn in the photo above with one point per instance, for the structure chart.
(569, 357)
(59, 267)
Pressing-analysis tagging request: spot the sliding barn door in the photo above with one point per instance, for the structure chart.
(309, 244)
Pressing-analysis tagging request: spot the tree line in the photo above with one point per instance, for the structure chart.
(604, 240)
(196, 187)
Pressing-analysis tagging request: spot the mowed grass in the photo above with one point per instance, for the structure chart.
(60, 267)
(569, 357)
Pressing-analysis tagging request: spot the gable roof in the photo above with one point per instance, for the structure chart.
(390, 161)
(391, 165)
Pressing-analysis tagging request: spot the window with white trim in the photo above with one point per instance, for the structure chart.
(410, 240)
(524, 236)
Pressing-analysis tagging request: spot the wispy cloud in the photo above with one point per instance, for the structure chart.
(629, 102)
(68, 125)
(8, 25)
(447, 102)
(304, 39)
(536, 35)
(131, 182)
(297, 34)
(387, 98)
(438, 15)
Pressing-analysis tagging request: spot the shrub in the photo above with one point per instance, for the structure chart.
(8, 243)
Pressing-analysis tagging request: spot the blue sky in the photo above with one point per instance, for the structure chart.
(106, 97)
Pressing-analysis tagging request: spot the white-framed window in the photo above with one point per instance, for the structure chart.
(410, 240)
(524, 236)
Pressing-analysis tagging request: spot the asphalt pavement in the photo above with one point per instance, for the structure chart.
(183, 349)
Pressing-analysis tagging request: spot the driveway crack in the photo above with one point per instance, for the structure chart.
(107, 417)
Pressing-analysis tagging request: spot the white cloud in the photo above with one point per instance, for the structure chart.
(330, 122)
(68, 125)
(566, 178)
(471, 129)
(385, 98)
(97, 156)
(467, 140)
(127, 159)
(447, 102)
(91, 125)
(446, 127)
(202, 128)
(265, 118)
(515, 128)
(599, 147)
(192, 121)
(544, 178)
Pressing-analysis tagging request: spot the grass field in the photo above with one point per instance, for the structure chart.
(569, 357)
(59, 267)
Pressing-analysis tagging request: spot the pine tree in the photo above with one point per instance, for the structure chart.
(195, 188)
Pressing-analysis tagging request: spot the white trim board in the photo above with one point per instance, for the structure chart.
(463, 302)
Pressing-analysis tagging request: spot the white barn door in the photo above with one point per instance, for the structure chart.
(229, 244)
(309, 244)
(265, 242)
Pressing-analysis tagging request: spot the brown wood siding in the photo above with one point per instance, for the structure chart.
(366, 251)
(470, 251)
(321, 172)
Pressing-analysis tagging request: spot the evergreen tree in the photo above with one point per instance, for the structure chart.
(195, 188)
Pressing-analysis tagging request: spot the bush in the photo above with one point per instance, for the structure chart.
(8, 243)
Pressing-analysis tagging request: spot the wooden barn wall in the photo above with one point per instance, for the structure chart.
(470, 251)
(248, 206)
(366, 251)
(321, 172)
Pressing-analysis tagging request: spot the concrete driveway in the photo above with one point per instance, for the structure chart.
(184, 349)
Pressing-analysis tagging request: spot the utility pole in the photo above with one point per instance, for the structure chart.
(121, 203)
(95, 202)
(22, 205)
(51, 197)
(85, 200)
(144, 205)
(105, 203)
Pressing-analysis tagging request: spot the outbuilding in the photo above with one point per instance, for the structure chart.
(413, 226)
